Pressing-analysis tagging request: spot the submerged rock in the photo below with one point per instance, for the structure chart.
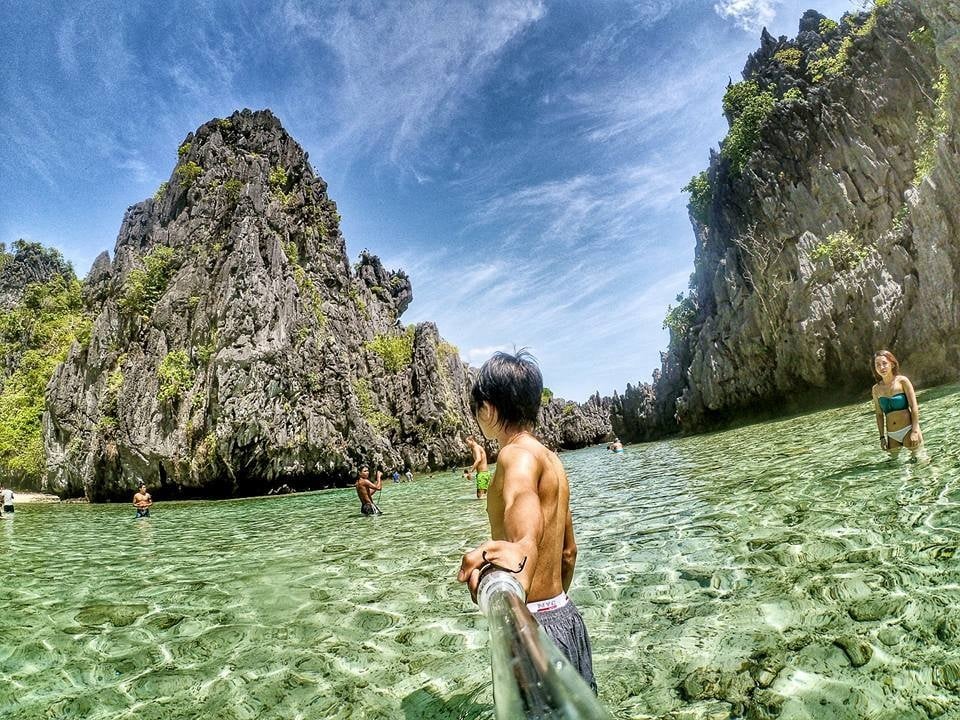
(857, 650)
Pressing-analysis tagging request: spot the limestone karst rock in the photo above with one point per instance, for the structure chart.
(234, 348)
(833, 235)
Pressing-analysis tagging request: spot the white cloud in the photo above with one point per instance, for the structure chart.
(405, 70)
(751, 15)
(478, 355)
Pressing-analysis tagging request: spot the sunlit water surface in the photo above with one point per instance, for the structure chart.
(779, 570)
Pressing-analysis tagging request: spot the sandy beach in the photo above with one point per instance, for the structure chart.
(20, 498)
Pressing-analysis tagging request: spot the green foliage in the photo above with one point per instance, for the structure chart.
(828, 26)
(744, 134)
(546, 395)
(568, 409)
(183, 149)
(789, 57)
(188, 173)
(35, 336)
(843, 248)
(901, 217)
(205, 352)
(310, 293)
(378, 419)
(930, 128)
(922, 36)
(738, 96)
(108, 401)
(292, 253)
(829, 65)
(396, 351)
(144, 287)
(793, 93)
(680, 319)
(278, 178)
(359, 302)
(174, 375)
(161, 191)
(231, 189)
(880, 3)
(224, 124)
(280, 184)
(701, 196)
(448, 350)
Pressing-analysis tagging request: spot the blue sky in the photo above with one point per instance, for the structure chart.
(521, 160)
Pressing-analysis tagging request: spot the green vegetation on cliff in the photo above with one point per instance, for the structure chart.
(395, 351)
(35, 337)
(749, 106)
(930, 128)
(144, 286)
(701, 196)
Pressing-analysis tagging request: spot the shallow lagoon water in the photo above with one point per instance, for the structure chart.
(784, 569)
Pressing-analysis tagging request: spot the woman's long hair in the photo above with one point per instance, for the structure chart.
(889, 356)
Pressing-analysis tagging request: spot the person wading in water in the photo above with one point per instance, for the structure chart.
(366, 489)
(528, 506)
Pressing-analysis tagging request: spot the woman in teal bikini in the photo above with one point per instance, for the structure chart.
(895, 403)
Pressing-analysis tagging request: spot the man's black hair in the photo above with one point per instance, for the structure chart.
(512, 384)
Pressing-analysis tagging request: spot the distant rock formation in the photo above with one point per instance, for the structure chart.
(29, 262)
(41, 314)
(566, 425)
(826, 228)
(234, 349)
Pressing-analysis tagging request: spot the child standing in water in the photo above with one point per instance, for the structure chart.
(895, 406)
(528, 505)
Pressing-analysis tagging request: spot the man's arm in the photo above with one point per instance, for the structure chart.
(568, 559)
(522, 524)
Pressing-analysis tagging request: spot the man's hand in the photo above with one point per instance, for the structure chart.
(498, 553)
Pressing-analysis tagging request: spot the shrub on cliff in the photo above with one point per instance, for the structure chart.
(395, 351)
(701, 196)
(930, 128)
(174, 375)
(188, 173)
(789, 57)
(680, 319)
(843, 248)
(35, 337)
(143, 287)
(744, 134)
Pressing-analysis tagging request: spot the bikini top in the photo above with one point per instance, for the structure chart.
(894, 402)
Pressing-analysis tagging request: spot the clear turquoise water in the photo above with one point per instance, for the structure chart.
(719, 576)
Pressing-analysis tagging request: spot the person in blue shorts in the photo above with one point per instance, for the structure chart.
(142, 500)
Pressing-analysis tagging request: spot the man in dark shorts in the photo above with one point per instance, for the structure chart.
(142, 500)
(365, 490)
(528, 506)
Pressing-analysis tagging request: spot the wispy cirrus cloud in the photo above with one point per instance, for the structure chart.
(403, 71)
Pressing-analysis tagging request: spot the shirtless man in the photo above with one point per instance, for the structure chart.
(142, 500)
(479, 466)
(528, 506)
(365, 490)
